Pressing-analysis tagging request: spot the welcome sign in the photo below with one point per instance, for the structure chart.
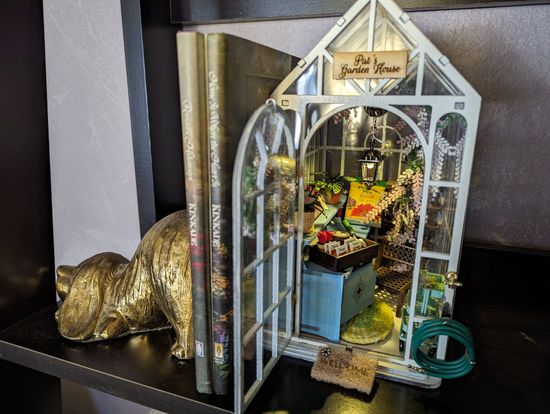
(370, 65)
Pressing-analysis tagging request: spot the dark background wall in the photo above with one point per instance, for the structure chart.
(26, 245)
(205, 11)
(161, 68)
(26, 248)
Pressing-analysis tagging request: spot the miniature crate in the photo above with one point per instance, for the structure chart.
(346, 261)
(330, 299)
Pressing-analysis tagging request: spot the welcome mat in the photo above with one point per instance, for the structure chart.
(348, 369)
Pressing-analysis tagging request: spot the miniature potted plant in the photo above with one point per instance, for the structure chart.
(331, 188)
(313, 207)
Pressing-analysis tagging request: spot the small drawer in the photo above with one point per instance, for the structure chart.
(330, 299)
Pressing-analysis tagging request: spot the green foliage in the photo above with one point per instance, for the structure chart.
(452, 119)
(332, 184)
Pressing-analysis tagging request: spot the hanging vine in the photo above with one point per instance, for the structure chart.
(443, 150)
(404, 199)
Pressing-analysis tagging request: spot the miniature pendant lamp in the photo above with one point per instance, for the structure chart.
(371, 157)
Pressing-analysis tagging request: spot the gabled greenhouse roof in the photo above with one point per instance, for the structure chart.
(376, 26)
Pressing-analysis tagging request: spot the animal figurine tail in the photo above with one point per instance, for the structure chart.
(106, 296)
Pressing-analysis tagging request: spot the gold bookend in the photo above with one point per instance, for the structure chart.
(106, 296)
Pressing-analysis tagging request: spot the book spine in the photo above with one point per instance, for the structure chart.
(191, 68)
(221, 173)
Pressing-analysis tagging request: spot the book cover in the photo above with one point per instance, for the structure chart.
(191, 73)
(241, 76)
(361, 200)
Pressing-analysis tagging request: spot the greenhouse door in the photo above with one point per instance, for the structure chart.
(264, 188)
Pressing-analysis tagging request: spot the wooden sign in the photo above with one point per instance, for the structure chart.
(369, 65)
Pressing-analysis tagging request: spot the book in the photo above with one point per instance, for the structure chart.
(241, 76)
(361, 200)
(191, 73)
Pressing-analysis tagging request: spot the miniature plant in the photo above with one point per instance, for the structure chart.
(311, 199)
(331, 187)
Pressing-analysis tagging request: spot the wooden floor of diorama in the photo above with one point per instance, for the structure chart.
(388, 346)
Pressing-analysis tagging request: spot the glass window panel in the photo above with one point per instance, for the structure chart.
(250, 364)
(283, 267)
(269, 337)
(306, 84)
(440, 215)
(319, 160)
(429, 346)
(386, 38)
(249, 231)
(391, 134)
(340, 87)
(271, 219)
(390, 167)
(391, 140)
(275, 276)
(448, 151)
(434, 265)
(315, 111)
(335, 129)
(287, 212)
(435, 82)
(352, 167)
(430, 294)
(418, 114)
(388, 34)
(354, 138)
(319, 138)
(405, 86)
(354, 36)
(250, 172)
(354, 127)
(248, 315)
(284, 333)
(309, 170)
(333, 162)
(268, 283)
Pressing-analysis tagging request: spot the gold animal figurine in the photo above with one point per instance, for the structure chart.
(107, 296)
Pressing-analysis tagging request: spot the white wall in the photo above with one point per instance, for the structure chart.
(91, 152)
(93, 174)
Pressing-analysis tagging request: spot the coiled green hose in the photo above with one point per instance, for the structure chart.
(436, 367)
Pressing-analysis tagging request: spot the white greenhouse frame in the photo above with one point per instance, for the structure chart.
(294, 94)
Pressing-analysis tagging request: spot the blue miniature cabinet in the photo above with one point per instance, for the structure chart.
(330, 299)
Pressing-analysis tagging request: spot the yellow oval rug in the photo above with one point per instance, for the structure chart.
(371, 325)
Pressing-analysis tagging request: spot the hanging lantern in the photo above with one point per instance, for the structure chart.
(369, 164)
(371, 157)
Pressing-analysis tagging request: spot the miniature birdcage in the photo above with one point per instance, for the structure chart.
(437, 110)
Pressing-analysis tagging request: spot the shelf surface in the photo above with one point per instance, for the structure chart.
(138, 367)
(503, 301)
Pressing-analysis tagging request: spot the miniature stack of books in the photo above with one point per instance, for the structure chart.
(223, 79)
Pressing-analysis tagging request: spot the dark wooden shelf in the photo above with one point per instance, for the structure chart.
(217, 11)
(138, 368)
(506, 314)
